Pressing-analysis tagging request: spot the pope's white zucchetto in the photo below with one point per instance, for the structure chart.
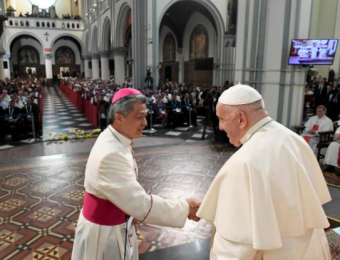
(239, 95)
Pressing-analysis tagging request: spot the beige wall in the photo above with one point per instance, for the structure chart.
(323, 25)
(62, 7)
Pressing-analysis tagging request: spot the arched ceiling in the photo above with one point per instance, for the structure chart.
(177, 16)
(70, 39)
(24, 36)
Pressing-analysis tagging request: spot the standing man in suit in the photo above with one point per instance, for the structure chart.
(189, 108)
(328, 101)
(320, 93)
(31, 108)
(335, 104)
(12, 120)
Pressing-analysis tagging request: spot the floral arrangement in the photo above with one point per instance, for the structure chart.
(78, 133)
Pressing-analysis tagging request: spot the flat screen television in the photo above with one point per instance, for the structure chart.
(312, 52)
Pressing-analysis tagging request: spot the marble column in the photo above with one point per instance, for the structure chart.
(2, 72)
(180, 66)
(119, 58)
(104, 60)
(95, 66)
(7, 71)
(88, 71)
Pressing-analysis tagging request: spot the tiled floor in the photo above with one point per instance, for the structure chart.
(41, 198)
(61, 115)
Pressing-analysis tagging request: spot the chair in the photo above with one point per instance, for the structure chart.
(325, 139)
(299, 129)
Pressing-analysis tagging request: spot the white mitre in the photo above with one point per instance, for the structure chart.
(239, 95)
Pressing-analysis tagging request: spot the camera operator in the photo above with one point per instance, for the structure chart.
(210, 100)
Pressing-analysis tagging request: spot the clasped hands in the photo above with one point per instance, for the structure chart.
(194, 206)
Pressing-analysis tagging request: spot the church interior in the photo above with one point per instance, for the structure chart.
(62, 61)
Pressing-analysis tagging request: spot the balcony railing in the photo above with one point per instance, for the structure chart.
(33, 22)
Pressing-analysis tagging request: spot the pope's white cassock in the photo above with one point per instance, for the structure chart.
(266, 201)
(323, 124)
(332, 154)
(111, 175)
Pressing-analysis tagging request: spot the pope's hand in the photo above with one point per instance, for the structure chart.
(194, 206)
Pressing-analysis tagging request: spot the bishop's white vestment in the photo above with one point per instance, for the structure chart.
(111, 175)
(332, 154)
(320, 125)
(266, 201)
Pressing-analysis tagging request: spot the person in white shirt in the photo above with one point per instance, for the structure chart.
(316, 124)
(3, 104)
(332, 154)
(6, 97)
(168, 95)
(266, 201)
(22, 97)
(113, 197)
(18, 102)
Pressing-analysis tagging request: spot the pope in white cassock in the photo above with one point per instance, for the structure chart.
(113, 197)
(315, 124)
(266, 201)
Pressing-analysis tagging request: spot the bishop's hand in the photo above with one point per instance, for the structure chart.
(194, 206)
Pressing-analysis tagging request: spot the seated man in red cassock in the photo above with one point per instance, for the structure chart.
(315, 124)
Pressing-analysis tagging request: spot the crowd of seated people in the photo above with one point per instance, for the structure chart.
(19, 107)
(171, 104)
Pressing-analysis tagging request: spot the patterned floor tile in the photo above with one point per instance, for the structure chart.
(182, 128)
(85, 124)
(50, 127)
(69, 128)
(198, 136)
(2, 147)
(173, 133)
(39, 215)
(148, 131)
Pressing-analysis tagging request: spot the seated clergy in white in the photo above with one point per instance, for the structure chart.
(315, 124)
(333, 153)
(266, 201)
(105, 229)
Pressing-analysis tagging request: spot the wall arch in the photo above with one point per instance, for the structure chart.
(194, 20)
(9, 42)
(106, 35)
(94, 42)
(87, 43)
(163, 33)
(220, 29)
(208, 5)
(82, 50)
(121, 25)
